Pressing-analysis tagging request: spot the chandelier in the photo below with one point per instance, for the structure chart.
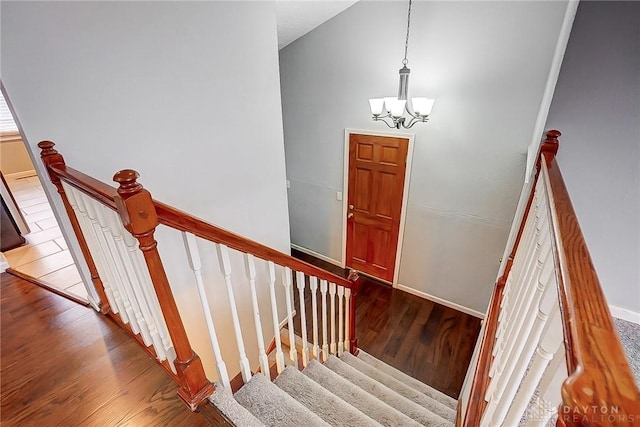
(391, 110)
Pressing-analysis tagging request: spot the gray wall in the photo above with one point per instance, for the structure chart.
(597, 107)
(187, 93)
(486, 64)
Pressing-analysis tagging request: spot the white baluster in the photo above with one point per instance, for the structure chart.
(300, 283)
(142, 273)
(517, 291)
(332, 292)
(124, 307)
(325, 344)
(89, 235)
(503, 388)
(525, 291)
(522, 319)
(512, 285)
(546, 405)
(537, 319)
(225, 262)
(193, 254)
(110, 256)
(340, 320)
(146, 320)
(286, 281)
(347, 308)
(550, 344)
(120, 271)
(274, 317)
(313, 285)
(262, 355)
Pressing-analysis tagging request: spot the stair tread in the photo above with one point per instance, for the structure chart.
(273, 406)
(223, 400)
(360, 399)
(385, 394)
(322, 402)
(408, 380)
(410, 393)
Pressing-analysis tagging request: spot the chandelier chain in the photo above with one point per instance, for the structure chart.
(405, 61)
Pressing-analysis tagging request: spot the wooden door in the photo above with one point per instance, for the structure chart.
(377, 166)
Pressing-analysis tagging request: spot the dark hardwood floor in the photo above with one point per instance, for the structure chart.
(64, 364)
(426, 340)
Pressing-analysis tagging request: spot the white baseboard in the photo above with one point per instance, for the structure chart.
(4, 264)
(317, 255)
(625, 314)
(440, 301)
(18, 175)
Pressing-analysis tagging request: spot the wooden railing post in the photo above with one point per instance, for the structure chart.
(51, 157)
(139, 217)
(549, 146)
(356, 281)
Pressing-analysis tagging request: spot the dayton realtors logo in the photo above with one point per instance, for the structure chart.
(595, 414)
(544, 411)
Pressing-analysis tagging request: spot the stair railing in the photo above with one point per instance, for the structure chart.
(115, 229)
(548, 331)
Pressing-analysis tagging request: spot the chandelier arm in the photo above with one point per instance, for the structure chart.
(414, 121)
(409, 125)
(406, 108)
(382, 119)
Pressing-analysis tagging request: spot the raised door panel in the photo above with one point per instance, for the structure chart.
(362, 188)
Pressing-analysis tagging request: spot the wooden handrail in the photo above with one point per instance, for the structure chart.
(183, 221)
(477, 404)
(98, 190)
(600, 389)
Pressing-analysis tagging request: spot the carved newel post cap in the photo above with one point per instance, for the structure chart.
(550, 143)
(127, 178)
(47, 148)
(552, 136)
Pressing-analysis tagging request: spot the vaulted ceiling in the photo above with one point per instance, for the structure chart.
(297, 17)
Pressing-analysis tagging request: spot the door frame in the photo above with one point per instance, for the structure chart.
(405, 192)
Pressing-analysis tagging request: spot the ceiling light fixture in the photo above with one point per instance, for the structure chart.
(393, 108)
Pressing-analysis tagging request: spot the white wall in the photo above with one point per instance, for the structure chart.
(486, 64)
(597, 107)
(187, 93)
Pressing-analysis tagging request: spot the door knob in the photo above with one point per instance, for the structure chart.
(350, 215)
(350, 206)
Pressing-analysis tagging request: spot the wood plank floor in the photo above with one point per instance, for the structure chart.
(425, 340)
(64, 364)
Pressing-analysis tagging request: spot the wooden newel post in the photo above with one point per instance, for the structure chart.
(357, 281)
(139, 217)
(549, 147)
(50, 157)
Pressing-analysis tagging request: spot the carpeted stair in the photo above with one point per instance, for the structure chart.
(349, 391)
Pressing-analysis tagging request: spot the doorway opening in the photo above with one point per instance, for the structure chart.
(376, 184)
(40, 253)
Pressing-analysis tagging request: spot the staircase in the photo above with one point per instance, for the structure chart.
(547, 335)
(344, 391)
